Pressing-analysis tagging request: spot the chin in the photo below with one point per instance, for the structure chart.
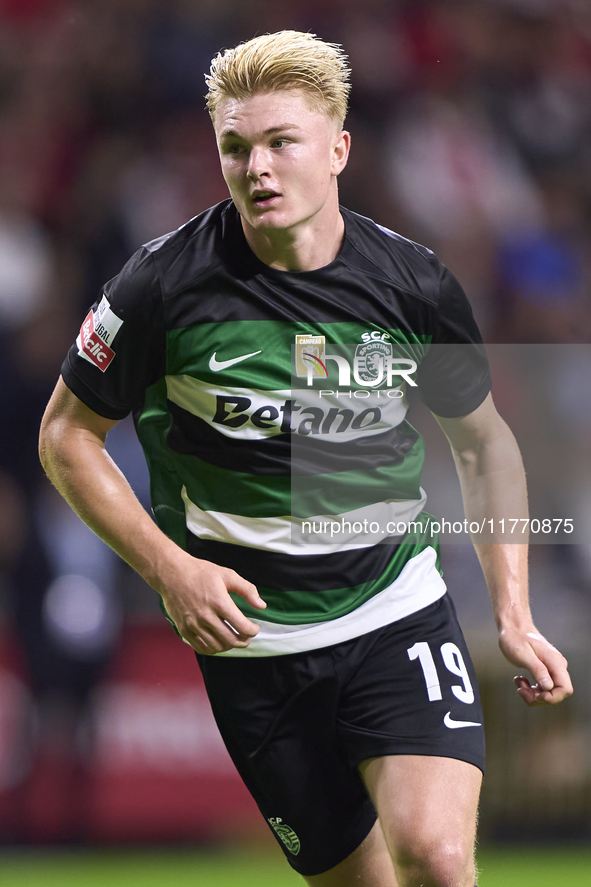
(267, 221)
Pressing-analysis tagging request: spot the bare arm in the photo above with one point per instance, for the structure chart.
(195, 592)
(492, 478)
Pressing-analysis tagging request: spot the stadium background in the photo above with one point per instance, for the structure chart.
(471, 123)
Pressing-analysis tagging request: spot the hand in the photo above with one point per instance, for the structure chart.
(198, 602)
(546, 664)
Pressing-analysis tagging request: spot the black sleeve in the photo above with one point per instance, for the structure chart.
(120, 349)
(454, 377)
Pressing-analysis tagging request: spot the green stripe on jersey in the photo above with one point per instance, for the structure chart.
(235, 492)
(189, 350)
(341, 491)
(260, 496)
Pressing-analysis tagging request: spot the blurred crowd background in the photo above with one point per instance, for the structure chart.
(471, 125)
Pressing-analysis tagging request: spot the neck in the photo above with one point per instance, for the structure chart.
(304, 247)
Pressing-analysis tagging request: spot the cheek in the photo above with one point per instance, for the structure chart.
(314, 171)
(231, 168)
(319, 184)
(233, 182)
(323, 168)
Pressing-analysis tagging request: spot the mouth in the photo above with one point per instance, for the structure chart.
(265, 198)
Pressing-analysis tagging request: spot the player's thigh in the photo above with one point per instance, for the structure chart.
(369, 865)
(427, 805)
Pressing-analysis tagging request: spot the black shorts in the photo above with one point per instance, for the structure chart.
(298, 726)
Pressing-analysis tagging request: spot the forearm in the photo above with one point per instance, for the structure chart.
(493, 485)
(494, 493)
(505, 568)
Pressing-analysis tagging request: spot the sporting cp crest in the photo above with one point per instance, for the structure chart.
(370, 361)
(285, 834)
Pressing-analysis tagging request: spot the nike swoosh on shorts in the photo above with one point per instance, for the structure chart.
(455, 725)
(217, 365)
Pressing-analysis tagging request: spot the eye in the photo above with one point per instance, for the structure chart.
(278, 143)
(233, 148)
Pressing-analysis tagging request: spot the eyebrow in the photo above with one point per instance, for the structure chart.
(231, 133)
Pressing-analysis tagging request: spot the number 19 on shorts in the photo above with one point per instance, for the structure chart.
(453, 660)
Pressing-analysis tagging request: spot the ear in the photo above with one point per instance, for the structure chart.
(340, 152)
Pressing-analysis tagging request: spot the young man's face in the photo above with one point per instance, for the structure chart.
(280, 158)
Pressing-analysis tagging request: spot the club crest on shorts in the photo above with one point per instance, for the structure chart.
(285, 834)
(370, 360)
(310, 354)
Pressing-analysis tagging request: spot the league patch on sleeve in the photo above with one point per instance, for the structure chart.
(98, 330)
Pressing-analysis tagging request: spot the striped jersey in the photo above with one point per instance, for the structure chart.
(271, 407)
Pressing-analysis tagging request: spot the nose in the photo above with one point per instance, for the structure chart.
(258, 163)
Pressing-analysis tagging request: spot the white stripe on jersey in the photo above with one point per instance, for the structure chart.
(288, 534)
(418, 585)
(373, 412)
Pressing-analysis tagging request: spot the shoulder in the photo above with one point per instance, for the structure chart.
(181, 257)
(397, 259)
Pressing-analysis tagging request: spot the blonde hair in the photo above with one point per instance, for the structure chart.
(285, 60)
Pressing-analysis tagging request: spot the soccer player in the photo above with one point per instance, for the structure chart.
(336, 669)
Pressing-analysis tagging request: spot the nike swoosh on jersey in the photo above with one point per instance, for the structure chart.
(217, 365)
(455, 725)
